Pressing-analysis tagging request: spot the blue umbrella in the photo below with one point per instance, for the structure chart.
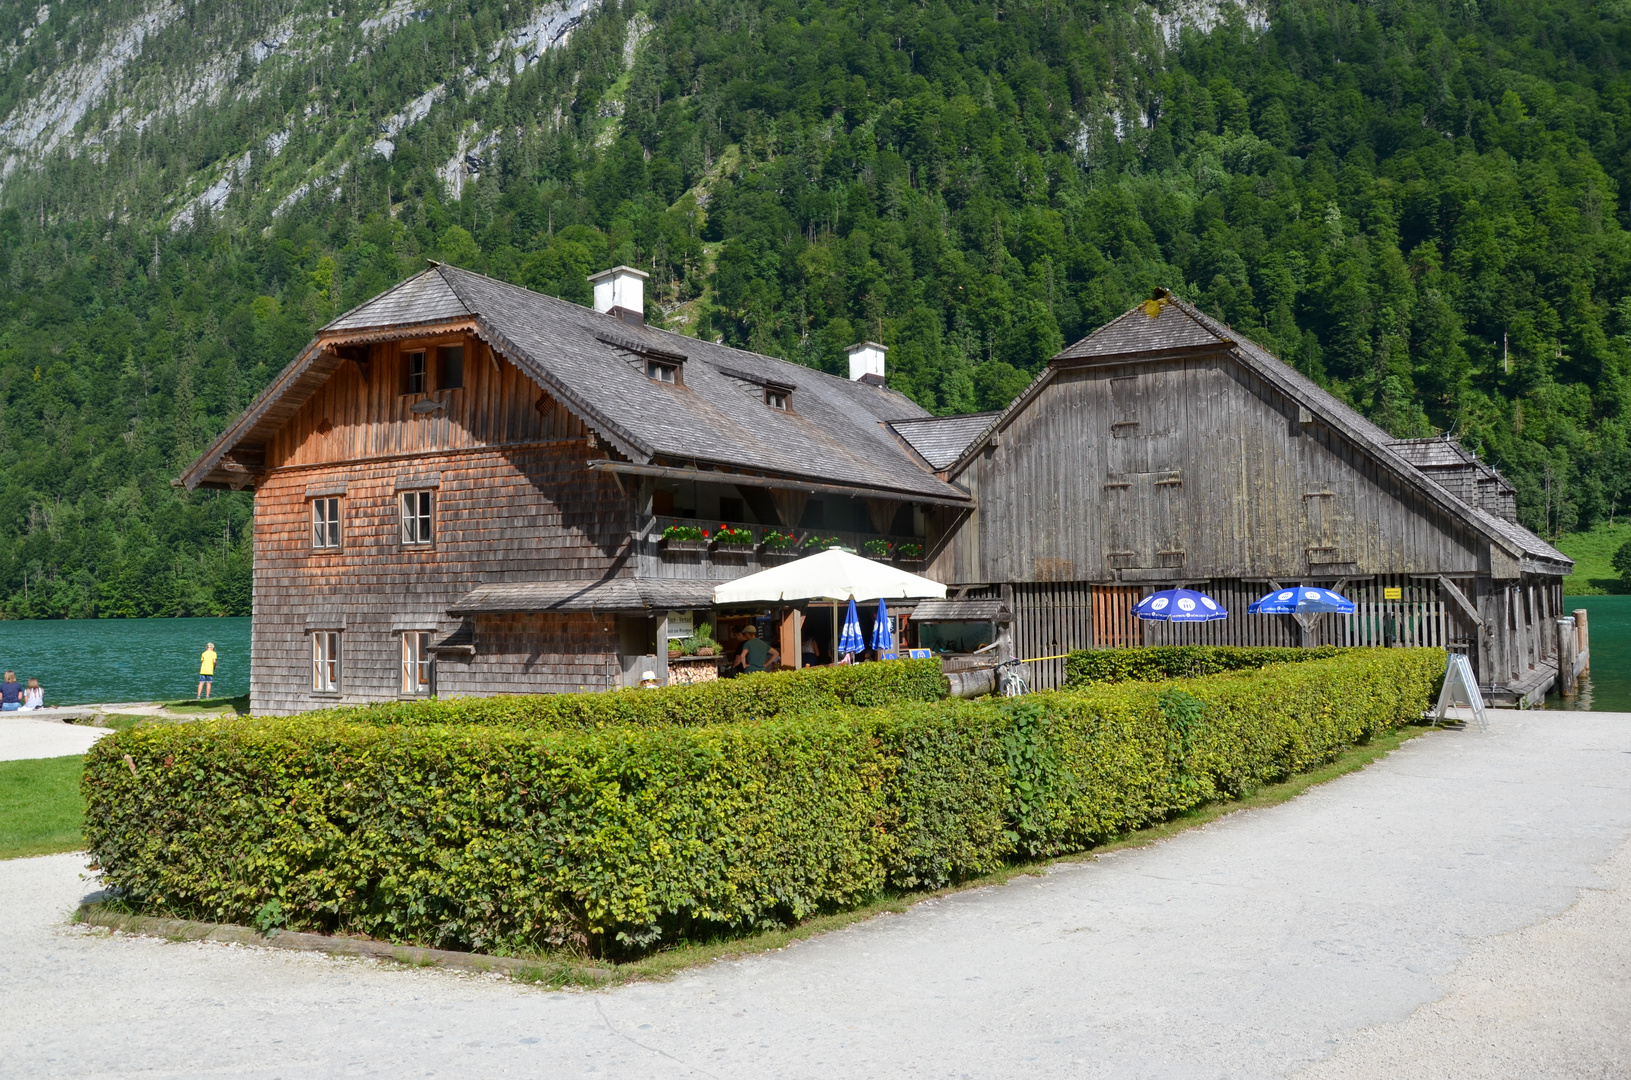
(1302, 600)
(1179, 605)
(883, 635)
(849, 641)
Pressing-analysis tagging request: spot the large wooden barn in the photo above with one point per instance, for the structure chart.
(462, 487)
(1164, 449)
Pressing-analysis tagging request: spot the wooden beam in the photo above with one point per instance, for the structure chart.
(1461, 598)
(710, 476)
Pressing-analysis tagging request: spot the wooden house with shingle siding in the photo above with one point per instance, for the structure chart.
(1164, 450)
(461, 488)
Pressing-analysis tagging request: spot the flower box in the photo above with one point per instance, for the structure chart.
(684, 545)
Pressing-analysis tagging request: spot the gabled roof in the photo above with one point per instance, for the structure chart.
(1165, 326)
(594, 364)
(942, 439)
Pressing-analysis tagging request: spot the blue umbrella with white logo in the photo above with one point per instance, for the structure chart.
(1302, 600)
(1179, 605)
(850, 640)
(883, 635)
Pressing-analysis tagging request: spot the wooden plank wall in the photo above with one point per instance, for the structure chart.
(356, 417)
(1191, 467)
(532, 512)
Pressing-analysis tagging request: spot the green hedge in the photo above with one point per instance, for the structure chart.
(763, 696)
(1091, 667)
(620, 839)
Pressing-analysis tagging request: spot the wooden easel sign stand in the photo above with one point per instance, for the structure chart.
(1460, 688)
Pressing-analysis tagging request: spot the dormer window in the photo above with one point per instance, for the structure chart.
(658, 371)
(776, 399)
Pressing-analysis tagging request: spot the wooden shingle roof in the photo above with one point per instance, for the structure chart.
(835, 430)
(942, 439)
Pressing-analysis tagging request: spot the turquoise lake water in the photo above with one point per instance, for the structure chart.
(1608, 686)
(82, 661)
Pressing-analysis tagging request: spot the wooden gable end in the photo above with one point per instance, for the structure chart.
(367, 410)
(1189, 468)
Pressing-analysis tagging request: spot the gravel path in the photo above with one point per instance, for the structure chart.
(1459, 909)
(25, 736)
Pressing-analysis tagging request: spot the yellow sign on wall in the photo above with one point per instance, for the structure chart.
(1392, 594)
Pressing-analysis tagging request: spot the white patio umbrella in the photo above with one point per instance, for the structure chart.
(828, 575)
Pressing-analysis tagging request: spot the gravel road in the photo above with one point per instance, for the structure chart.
(1460, 909)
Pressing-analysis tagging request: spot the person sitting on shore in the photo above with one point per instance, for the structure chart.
(33, 696)
(11, 693)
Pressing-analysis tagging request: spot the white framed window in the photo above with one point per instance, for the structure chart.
(776, 399)
(661, 372)
(413, 381)
(325, 661)
(325, 522)
(416, 658)
(416, 517)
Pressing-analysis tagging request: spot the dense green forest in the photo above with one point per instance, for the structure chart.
(1423, 205)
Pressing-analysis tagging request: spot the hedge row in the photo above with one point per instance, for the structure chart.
(620, 839)
(1091, 667)
(763, 696)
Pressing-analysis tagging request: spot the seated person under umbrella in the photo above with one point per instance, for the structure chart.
(756, 655)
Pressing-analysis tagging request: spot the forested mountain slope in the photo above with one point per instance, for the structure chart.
(1422, 205)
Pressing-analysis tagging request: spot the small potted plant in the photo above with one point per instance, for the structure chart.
(909, 553)
(702, 640)
(877, 549)
(821, 543)
(685, 538)
(731, 540)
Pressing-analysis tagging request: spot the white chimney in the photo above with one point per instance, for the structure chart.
(866, 358)
(621, 291)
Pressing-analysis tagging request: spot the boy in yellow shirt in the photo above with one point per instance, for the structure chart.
(206, 670)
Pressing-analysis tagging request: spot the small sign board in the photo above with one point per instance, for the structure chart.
(920, 654)
(1460, 688)
(679, 624)
(891, 656)
(1394, 593)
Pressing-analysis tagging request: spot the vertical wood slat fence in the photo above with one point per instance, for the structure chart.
(1051, 618)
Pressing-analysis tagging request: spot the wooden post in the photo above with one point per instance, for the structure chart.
(792, 639)
(1566, 684)
(662, 649)
(1582, 633)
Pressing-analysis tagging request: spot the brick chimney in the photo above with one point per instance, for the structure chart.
(621, 291)
(866, 362)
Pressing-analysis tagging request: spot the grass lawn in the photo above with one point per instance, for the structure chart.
(1593, 554)
(214, 706)
(40, 811)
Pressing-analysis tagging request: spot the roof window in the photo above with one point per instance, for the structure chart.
(658, 371)
(777, 399)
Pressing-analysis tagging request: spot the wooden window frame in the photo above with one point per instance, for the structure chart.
(327, 662)
(408, 373)
(418, 665)
(334, 527)
(423, 511)
(654, 366)
(780, 400)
